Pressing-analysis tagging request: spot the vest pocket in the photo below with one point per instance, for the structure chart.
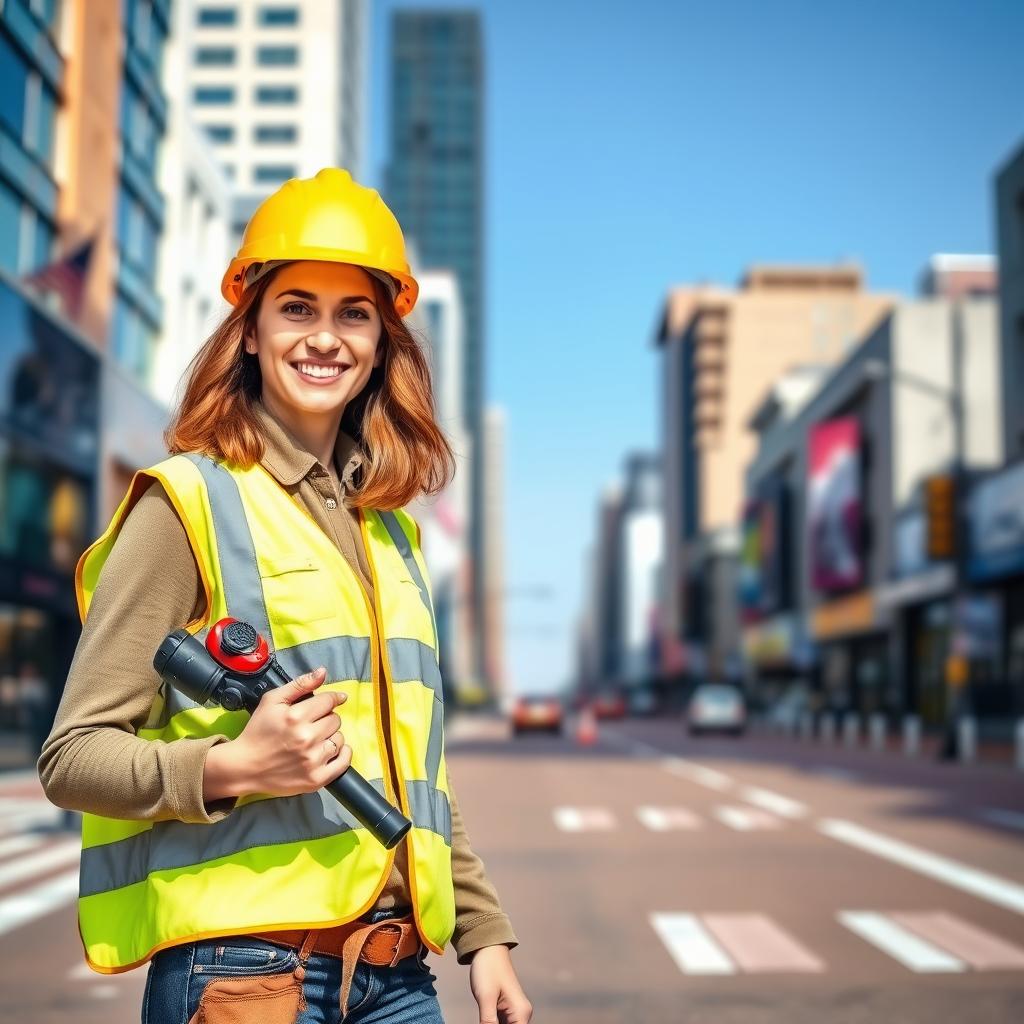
(296, 589)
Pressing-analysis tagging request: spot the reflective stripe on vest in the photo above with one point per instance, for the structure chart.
(304, 859)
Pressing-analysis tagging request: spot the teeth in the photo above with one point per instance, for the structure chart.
(319, 371)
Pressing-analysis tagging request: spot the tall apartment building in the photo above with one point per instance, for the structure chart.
(279, 89)
(721, 349)
(1010, 231)
(434, 183)
(82, 119)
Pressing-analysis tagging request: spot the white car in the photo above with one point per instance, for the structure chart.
(715, 707)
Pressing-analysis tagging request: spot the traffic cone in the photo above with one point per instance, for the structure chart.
(586, 731)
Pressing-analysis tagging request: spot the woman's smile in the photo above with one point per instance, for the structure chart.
(319, 374)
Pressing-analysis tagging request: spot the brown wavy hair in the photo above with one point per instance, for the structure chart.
(392, 418)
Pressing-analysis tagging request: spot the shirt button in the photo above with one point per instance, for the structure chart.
(331, 503)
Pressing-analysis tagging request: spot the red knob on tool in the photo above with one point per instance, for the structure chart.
(237, 646)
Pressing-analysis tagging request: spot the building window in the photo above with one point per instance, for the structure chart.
(272, 174)
(13, 76)
(215, 56)
(220, 132)
(213, 94)
(279, 16)
(134, 339)
(277, 56)
(10, 228)
(277, 94)
(217, 16)
(275, 133)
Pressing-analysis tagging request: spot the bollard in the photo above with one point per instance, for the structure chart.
(967, 737)
(911, 735)
(876, 730)
(827, 730)
(851, 728)
(1020, 744)
(807, 726)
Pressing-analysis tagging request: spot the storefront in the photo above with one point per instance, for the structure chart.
(49, 441)
(995, 570)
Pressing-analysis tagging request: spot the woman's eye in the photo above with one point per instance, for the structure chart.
(292, 305)
(359, 312)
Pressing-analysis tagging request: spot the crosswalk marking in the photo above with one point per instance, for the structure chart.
(691, 945)
(57, 855)
(665, 819)
(11, 845)
(583, 819)
(774, 802)
(47, 896)
(745, 819)
(982, 950)
(989, 887)
(900, 943)
(697, 773)
(756, 943)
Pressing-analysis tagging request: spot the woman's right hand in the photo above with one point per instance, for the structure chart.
(284, 745)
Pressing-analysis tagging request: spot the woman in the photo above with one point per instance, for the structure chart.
(305, 425)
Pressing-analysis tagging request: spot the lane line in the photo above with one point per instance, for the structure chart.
(54, 856)
(697, 773)
(982, 950)
(691, 945)
(1000, 891)
(665, 819)
(11, 845)
(756, 943)
(745, 819)
(899, 943)
(774, 802)
(49, 895)
(583, 819)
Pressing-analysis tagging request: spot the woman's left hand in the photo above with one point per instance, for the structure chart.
(493, 982)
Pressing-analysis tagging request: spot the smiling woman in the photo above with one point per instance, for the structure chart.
(219, 861)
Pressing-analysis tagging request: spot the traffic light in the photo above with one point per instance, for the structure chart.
(940, 516)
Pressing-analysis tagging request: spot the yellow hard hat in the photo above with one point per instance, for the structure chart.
(326, 217)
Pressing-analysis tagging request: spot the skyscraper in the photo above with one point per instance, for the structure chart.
(278, 88)
(434, 184)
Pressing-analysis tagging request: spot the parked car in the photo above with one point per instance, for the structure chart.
(537, 711)
(715, 707)
(609, 704)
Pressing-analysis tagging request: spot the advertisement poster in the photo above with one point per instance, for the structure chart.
(834, 502)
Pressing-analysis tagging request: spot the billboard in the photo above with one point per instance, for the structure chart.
(764, 561)
(834, 505)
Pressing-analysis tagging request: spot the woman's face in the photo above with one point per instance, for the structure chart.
(317, 335)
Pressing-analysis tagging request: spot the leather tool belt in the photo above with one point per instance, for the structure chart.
(385, 942)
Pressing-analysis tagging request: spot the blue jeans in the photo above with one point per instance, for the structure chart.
(403, 994)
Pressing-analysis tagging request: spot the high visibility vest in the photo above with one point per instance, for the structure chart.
(280, 862)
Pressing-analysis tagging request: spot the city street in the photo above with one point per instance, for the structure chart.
(654, 877)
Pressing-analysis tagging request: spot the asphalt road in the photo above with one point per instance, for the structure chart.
(651, 877)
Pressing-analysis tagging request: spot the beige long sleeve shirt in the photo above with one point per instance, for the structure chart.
(150, 585)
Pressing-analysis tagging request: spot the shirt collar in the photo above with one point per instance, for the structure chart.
(288, 460)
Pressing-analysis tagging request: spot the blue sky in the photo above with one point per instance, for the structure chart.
(634, 146)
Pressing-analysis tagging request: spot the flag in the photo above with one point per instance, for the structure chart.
(66, 277)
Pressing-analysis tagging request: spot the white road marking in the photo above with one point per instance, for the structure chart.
(81, 972)
(899, 943)
(691, 945)
(759, 945)
(47, 896)
(665, 819)
(999, 891)
(583, 819)
(697, 773)
(744, 819)
(11, 845)
(54, 856)
(997, 816)
(774, 802)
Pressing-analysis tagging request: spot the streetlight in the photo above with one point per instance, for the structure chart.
(876, 369)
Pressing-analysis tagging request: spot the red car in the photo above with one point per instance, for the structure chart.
(537, 711)
(609, 705)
